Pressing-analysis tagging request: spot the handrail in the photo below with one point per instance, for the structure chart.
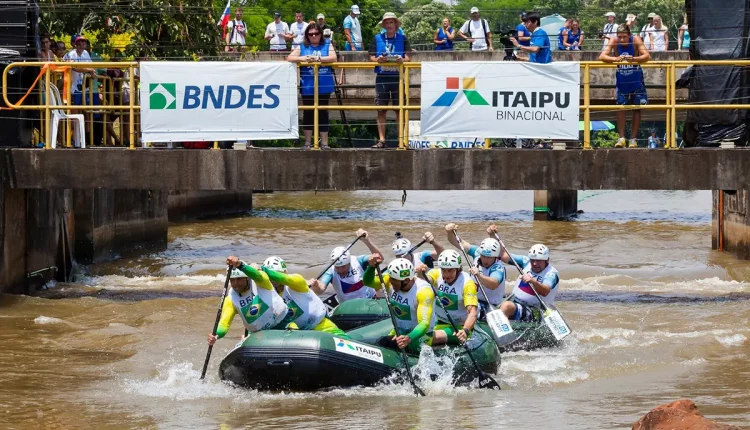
(404, 107)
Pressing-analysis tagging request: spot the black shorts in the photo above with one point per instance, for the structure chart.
(386, 90)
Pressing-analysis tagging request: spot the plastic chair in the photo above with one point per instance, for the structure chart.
(59, 114)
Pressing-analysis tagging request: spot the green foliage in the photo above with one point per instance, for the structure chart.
(421, 22)
(604, 138)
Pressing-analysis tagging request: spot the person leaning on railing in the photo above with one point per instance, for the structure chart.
(315, 49)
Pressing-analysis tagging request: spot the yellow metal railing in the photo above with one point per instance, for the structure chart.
(50, 72)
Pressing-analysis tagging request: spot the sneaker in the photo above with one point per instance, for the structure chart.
(620, 143)
(632, 143)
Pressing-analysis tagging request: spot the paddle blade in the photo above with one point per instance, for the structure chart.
(500, 327)
(487, 382)
(556, 324)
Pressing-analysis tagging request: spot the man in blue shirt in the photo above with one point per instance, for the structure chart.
(538, 50)
(522, 33)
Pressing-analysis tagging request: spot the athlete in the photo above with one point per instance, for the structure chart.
(401, 247)
(346, 274)
(306, 310)
(412, 301)
(458, 294)
(259, 305)
(523, 305)
(488, 267)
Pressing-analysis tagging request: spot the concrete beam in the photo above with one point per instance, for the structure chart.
(298, 170)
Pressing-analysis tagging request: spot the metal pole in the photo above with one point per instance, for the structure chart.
(587, 109)
(315, 105)
(133, 92)
(400, 105)
(404, 143)
(47, 111)
(673, 87)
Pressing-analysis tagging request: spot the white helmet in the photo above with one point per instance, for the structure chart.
(275, 263)
(539, 252)
(401, 246)
(237, 273)
(489, 248)
(344, 259)
(401, 269)
(449, 259)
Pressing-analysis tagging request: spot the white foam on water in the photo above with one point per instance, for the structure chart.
(41, 319)
(734, 340)
(624, 283)
(177, 381)
(118, 282)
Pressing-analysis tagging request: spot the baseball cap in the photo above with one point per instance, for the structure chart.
(651, 15)
(79, 37)
(321, 16)
(474, 10)
(610, 14)
(355, 9)
(277, 13)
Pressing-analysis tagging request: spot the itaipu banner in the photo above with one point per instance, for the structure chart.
(501, 99)
(218, 101)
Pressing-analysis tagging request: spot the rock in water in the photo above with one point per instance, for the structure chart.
(682, 414)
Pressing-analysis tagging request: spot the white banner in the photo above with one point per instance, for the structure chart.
(218, 101)
(417, 141)
(501, 99)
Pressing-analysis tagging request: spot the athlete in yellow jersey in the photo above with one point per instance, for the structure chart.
(458, 294)
(306, 310)
(259, 306)
(412, 301)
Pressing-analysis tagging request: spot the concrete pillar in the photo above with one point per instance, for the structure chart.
(12, 240)
(731, 224)
(116, 223)
(191, 205)
(551, 205)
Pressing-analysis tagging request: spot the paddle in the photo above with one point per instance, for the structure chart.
(331, 302)
(485, 380)
(415, 247)
(496, 319)
(418, 391)
(218, 318)
(552, 317)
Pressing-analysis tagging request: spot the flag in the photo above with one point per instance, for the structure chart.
(225, 19)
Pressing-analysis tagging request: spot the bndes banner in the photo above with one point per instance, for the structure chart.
(501, 99)
(215, 101)
(417, 141)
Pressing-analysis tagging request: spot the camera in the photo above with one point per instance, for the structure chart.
(507, 44)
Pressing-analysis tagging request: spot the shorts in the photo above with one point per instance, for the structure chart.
(386, 90)
(348, 47)
(637, 97)
(450, 333)
(526, 313)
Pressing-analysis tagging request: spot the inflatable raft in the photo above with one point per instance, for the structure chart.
(304, 360)
(358, 312)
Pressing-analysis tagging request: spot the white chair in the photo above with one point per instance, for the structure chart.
(59, 114)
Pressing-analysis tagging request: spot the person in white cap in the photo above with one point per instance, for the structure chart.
(352, 30)
(477, 32)
(327, 31)
(610, 29)
(647, 27)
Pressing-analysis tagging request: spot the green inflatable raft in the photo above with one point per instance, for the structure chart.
(304, 360)
(526, 336)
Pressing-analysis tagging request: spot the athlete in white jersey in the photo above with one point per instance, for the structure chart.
(402, 245)
(259, 307)
(489, 269)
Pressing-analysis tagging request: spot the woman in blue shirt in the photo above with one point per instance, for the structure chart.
(315, 49)
(444, 36)
(573, 38)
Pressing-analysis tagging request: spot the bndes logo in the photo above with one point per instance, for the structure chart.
(169, 96)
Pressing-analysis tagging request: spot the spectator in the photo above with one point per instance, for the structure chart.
(629, 78)
(631, 21)
(58, 49)
(277, 33)
(539, 51)
(561, 33)
(327, 31)
(236, 33)
(658, 39)
(573, 37)
(315, 48)
(298, 29)
(46, 53)
(610, 29)
(79, 55)
(444, 36)
(683, 36)
(522, 33)
(478, 30)
(389, 47)
(353, 31)
(647, 27)
(653, 141)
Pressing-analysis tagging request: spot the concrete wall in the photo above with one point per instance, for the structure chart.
(297, 170)
(189, 205)
(734, 227)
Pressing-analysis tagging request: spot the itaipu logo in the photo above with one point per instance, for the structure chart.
(342, 343)
(162, 96)
(468, 87)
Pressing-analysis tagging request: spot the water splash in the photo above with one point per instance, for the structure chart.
(49, 320)
(729, 341)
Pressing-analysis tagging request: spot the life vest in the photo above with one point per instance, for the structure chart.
(405, 307)
(259, 308)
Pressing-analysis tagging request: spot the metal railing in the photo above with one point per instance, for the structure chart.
(48, 70)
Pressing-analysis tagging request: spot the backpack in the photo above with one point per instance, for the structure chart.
(486, 32)
(234, 25)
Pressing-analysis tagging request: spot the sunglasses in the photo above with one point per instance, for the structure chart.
(313, 34)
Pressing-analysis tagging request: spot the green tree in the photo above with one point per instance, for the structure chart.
(421, 22)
